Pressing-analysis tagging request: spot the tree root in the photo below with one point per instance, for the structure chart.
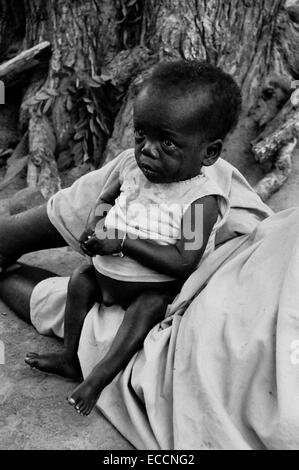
(26, 60)
(275, 146)
(42, 168)
(276, 178)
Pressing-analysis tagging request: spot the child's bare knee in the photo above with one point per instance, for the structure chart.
(83, 270)
(80, 278)
(153, 305)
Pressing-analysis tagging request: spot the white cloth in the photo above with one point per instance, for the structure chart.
(222, 370)
(224, 374)
(69, 209)
(154, 211)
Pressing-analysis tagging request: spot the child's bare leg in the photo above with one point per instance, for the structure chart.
(83, 292)
(146, 311)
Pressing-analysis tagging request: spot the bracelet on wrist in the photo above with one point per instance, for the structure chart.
(120, 253)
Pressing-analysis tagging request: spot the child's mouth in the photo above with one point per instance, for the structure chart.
(148, 170)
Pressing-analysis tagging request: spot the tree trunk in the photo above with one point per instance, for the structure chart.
(100, 49)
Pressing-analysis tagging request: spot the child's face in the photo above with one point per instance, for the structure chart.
(168, 145)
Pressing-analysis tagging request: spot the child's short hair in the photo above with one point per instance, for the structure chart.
(188, 76)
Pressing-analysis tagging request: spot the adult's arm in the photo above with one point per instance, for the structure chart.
(69, 210)
(57, 223)
(25, 232)
(103, 205)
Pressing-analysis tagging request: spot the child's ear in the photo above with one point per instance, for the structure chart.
(212, 152)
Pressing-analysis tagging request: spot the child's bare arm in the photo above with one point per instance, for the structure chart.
(111, 189)
(106, 200)
(177, 260)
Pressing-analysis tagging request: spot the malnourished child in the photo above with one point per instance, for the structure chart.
(158, 217)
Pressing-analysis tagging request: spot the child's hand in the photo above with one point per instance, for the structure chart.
(106, 243)
(89, 233)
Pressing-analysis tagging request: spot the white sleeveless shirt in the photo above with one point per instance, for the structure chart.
(154, 211)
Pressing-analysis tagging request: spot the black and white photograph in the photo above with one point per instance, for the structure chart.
(149, 227)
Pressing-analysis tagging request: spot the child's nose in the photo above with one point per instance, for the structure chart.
(150, 150)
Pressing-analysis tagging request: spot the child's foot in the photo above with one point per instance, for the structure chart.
(85, 396)
(54, 364)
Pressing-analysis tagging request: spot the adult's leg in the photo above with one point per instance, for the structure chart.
(17, 284)
(140, 317)
(83, 292)
(25, 232)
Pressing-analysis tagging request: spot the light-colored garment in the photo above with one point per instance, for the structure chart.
(222, 370)
(69, 209)
(155, 211)
(221, 375)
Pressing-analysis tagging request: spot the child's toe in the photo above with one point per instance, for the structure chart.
(31, 355)
(79, 405)
(84, 409)
(71, 401)
(88, 409)
(31, 361)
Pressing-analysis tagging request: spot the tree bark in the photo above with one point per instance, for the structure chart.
(12, 28)
(101, 49)
(282, 169)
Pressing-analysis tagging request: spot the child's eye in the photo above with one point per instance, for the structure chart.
(139, 133)
(169, 144)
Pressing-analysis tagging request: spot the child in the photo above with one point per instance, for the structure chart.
(163, 217)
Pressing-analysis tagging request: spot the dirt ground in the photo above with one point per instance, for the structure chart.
(34, 413)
